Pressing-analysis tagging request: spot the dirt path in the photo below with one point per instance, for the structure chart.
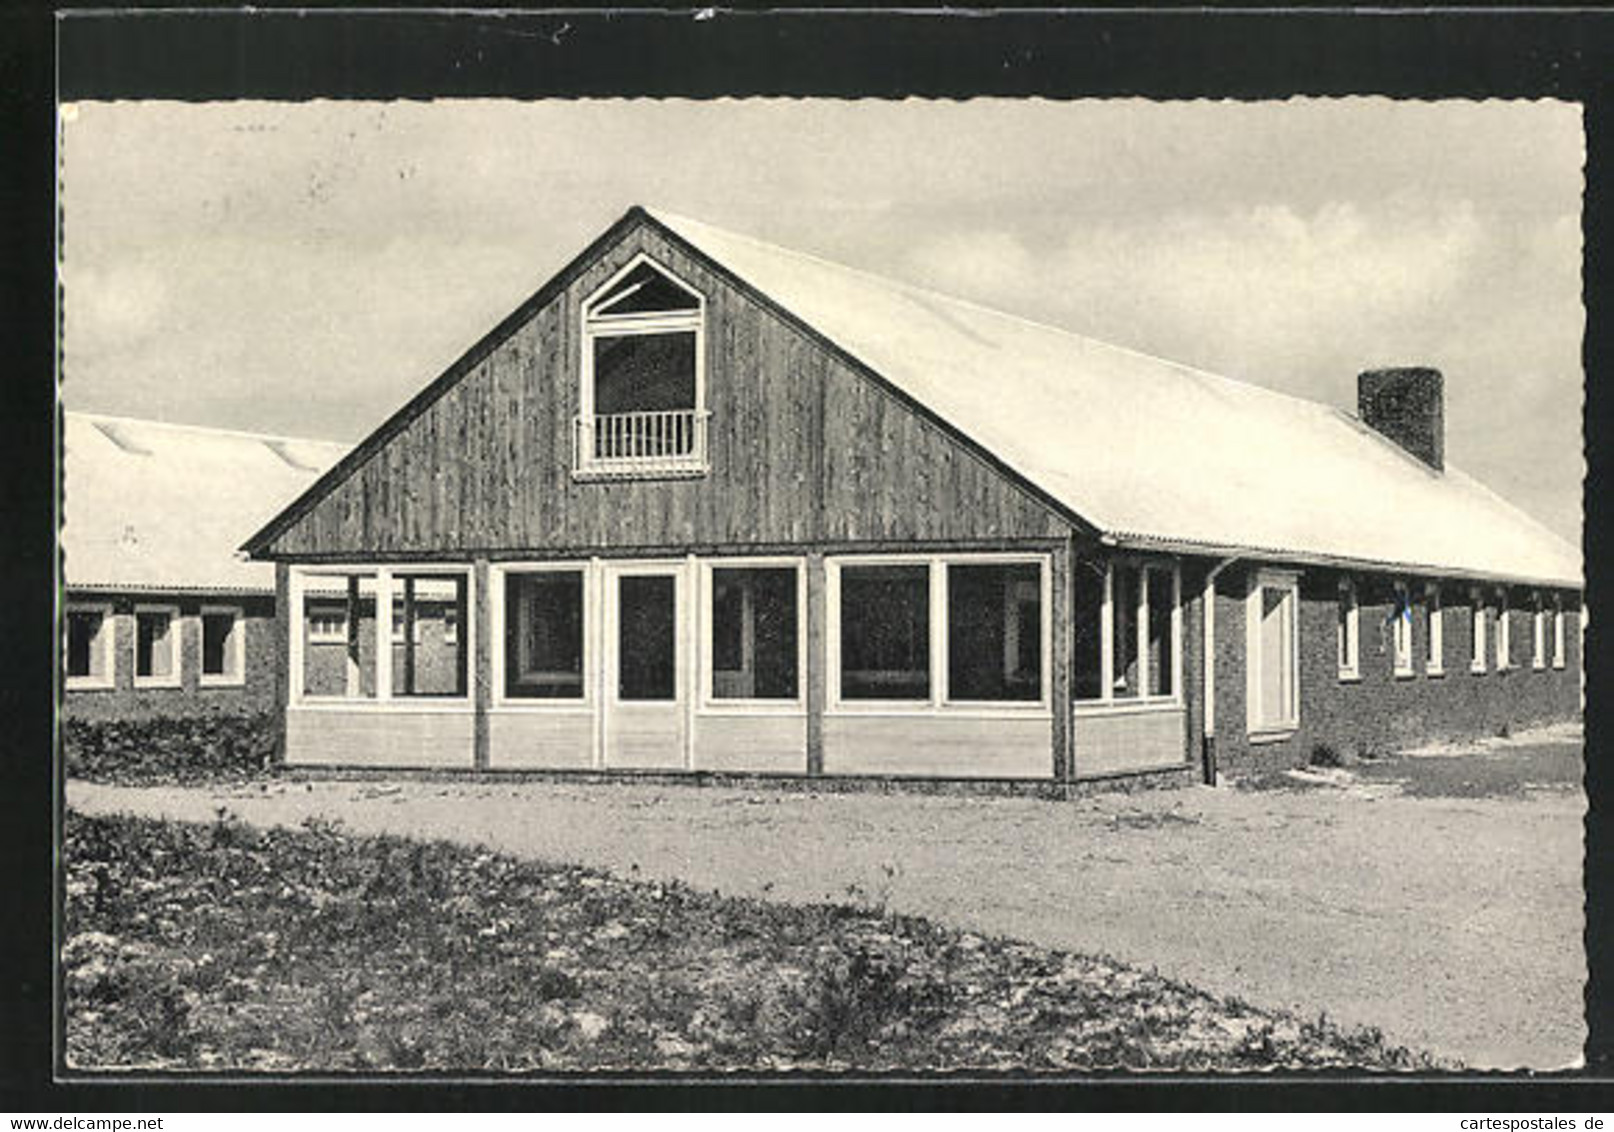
(1453, 924)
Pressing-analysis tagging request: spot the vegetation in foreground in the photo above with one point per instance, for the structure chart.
(219, 747)
(223, 947)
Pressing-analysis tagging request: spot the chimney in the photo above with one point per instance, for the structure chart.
(1406, 404)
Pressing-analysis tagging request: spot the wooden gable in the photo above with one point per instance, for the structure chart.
(805, 447)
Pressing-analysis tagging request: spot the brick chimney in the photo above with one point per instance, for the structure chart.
(1407, 405)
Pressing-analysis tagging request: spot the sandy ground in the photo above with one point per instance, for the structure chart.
(1453, 923)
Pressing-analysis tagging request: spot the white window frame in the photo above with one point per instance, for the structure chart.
(106, 639)
(337, 636)
(939, 700)
(175, 677)
(1504, 635)
(498, 574)
(1257, 726)
(1558, 643)
(1435, 644)
(710, 703)
(1479, 638)
(1538, 633)
(237, 648)
(383, 700)
(1401, 632)
(1349, 649)
(1108, 702)
(595, 326)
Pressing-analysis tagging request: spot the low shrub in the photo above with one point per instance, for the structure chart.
(1324, 755)
(168, 748)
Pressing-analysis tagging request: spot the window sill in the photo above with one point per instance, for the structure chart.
(85, 684)
(641, 470)
(1350, 677)
(1539, 667)
(399, 706)
(741, 708)
(155, 682)
(1434, 672)
(1558, 665)
(1124, 707)
(1405, 673)
(1478, 669)
(1273, 734)
(220, 682)
(537, 706)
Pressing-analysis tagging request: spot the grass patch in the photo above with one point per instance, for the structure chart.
(223, 947)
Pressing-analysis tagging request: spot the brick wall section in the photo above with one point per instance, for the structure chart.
(1381, 712)
(126, 702)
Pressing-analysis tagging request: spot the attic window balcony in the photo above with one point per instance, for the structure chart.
(650, 444)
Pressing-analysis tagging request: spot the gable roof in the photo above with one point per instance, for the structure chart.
(1149, 453)
(156, 507)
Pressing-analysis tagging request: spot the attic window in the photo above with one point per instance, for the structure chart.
(642, 395)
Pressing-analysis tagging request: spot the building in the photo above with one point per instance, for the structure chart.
(706, 504)
(162, 615)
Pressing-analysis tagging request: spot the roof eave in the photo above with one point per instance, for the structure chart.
(1129, 541)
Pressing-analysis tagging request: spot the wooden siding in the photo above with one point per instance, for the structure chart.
(394, 738)
(548, 740)
(938, 745)
(767, 744)
(804, 449)
(1121, 741)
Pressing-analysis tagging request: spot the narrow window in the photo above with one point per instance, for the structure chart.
(1087, 653)
(543, 635)
(642, 393)
(1273, 677)
(1558, 632)
(1347, 630)
(1401, 629)
(156, 654)
(1504, 637)
(1160, 606)
(994, 632)
(222, 639)
(885, 632)
(1435, 662)
(1124, 602)
(339, 630)
(754, 633)
(89, 653)
(1538, 641)
(1477, 628)
(647, 638)
(424, 661)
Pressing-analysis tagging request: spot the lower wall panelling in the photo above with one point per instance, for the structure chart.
(394, 737)
(757, 744)
(947, 746)
(534, 740)
(1116, 742)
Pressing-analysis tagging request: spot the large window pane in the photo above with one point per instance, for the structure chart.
(1277, 661)
(154, 644)
(647, 646)
(428, 659)
(635, 373)
(543, 646)
(1124, 643)
(1162, 645)
(339, 635)
(885, 633)
(219, 631)
(86, 651)
(754, 633)
(994, 632)
(1087, 653)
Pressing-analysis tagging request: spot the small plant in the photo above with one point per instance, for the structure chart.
(1504, 731)
(1325, 755)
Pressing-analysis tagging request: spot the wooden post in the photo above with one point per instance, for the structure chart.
(1063, 627)
(284, 627)
(816, 662)
(482, 682)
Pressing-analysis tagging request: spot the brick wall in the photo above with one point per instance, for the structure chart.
(123, 700)
(1380, 711)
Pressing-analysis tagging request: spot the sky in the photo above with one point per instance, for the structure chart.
(304, 269)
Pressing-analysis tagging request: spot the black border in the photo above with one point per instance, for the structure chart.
(416, 53)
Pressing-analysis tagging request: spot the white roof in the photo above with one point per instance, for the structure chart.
(1151, 452)
(154, 506)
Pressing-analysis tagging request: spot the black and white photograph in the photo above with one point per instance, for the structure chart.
(837, 586)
